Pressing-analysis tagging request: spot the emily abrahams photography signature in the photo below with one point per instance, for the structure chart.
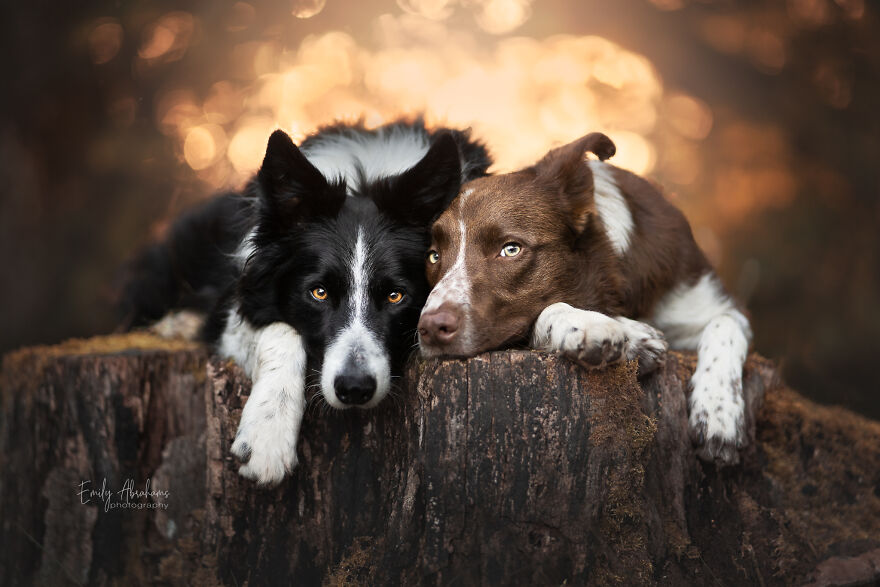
(127, 498)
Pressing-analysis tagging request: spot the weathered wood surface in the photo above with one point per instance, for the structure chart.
(509, 468)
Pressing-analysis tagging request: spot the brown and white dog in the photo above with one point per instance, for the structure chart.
(581, 257)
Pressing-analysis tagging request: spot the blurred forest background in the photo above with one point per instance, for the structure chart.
(759, 118)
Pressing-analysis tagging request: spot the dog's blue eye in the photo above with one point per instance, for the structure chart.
(319, 293)
(433, 257)
(511, 250)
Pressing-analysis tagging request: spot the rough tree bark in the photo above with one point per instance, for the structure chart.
(509, 468)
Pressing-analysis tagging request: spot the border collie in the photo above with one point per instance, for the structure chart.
(316, 268)
(568, 254)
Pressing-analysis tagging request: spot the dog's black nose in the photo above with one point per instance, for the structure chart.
(439, 327)
(354, 389)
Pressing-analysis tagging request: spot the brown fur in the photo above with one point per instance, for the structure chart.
(566, 255)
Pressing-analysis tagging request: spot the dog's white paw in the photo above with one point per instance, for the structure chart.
(717, 418)
(645, 344)
(265, 442)
(590, 338)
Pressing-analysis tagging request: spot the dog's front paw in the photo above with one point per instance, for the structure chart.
(590, 338)
(645, 344)
(267, 457)
(717, 420)
(265, 442)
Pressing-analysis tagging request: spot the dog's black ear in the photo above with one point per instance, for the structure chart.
(291, 188)
(565, 168)
(418, 196)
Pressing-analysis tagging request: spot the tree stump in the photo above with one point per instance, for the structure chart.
(512, 467)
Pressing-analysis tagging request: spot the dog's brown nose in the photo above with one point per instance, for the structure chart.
(439, 327)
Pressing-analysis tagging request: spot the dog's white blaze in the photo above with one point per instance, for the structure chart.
(701, 316)
(359, 276)
(275, 358)
(611, 206)
(356, 342)
(455, 286)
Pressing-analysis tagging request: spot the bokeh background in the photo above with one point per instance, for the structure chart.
(759, 118)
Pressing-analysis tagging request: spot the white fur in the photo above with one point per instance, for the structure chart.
(270, 421)
(245, 249)
(612, 207)
(701, 316)
(584, 334)
(239, 342)
(182, 324)
(644, 343)
(453, 288)
(716, 402)
(683, 313)
(389, 152)
(356, 343)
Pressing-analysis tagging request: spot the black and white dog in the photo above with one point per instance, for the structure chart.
(317, 267)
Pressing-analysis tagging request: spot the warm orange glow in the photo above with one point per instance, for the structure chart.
(755, 172)
(493, 16)
(502, 16)
(248, 145)
(168, 39)
(105, 40)
(307, 8)
(523, 96)
(767, 51)
(203, 145)
(690, 117)
(241, 17)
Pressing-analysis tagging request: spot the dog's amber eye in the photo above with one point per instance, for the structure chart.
(433, 257)
(319, 293)
(395, 297)
(511, 250)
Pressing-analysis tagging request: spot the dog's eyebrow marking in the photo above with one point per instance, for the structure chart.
(612, 207)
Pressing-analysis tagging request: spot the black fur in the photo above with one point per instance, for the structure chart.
(305, 232)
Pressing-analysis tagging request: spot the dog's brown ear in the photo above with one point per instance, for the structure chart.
(565, 167)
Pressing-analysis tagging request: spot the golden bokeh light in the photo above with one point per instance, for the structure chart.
(105, 40)
(690, 117)
(248, 144)
(430, 9)
(168, 38)
(203, 145)
(502, 16)
(241, 17)
(496, 17)
(522, 96)
(307, 8)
